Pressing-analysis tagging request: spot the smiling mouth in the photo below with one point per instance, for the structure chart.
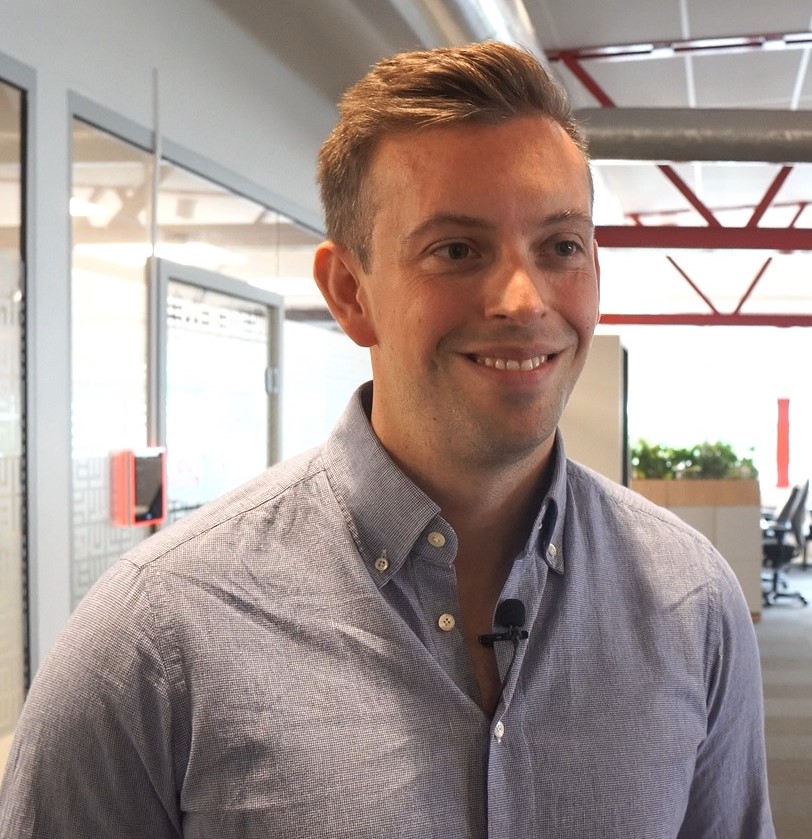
(523, 365)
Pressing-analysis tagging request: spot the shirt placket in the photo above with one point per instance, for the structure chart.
(436, 588)
(509, 756)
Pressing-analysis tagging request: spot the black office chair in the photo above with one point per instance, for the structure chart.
(782, 539)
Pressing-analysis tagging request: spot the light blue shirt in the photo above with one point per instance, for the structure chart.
(288, 663)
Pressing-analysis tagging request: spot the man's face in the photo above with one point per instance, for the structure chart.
(482, 290)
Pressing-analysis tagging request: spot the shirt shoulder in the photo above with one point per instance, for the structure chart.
(258, 505)
(649, 540)
(633, 512)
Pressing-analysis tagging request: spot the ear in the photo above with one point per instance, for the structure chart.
(597, 276)
(337, 275)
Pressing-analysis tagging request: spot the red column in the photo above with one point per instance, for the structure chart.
(782, 443)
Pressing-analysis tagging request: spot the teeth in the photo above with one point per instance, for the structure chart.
(525, 365)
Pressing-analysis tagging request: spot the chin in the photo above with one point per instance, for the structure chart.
(502, 450)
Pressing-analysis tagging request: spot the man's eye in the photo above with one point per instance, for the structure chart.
(455, 250)
(567, 248)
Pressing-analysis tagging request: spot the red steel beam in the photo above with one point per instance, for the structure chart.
(771, 192)
(714, 236)
(705, 238)
(689, 194)
(721, 319)
(752, 285)
(694, 286)
(802, 206)
(639, 216)
(574, 66)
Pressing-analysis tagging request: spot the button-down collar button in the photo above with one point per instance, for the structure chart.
(446, 622)
(552, 549)
(436, 538)
(382, 563)
(499, 731)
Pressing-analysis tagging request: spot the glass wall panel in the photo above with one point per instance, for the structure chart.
(217, 410)
(204, 224)
(110, 210)
(12, 579)
(200, 223)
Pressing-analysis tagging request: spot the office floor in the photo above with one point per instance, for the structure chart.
(785, 644)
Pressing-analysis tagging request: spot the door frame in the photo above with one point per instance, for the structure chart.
(160, 273)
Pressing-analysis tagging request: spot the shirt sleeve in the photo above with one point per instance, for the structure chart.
(729, 795)
(93, 751)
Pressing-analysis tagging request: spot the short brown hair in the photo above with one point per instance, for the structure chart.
(485, 82)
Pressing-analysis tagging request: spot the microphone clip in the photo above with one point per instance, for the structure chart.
(510, 614)
(513, 633)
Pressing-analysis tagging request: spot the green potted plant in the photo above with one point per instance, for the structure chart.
(705, 460)
(707, 474)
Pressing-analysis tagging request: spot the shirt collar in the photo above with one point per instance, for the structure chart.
(387, 513)
(384, 510)
(549, 526)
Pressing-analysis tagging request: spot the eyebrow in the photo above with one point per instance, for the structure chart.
(462, 220)
(441, 220)
(569, 215)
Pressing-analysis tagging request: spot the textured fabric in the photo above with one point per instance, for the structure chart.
(273, 667)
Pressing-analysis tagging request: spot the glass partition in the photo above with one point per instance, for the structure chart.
(202, 225)
(12, 576)
(217, 368)
(111, 219)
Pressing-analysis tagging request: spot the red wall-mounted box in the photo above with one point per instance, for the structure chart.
(139, 486)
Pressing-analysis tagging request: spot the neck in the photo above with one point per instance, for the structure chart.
(491, 509)
(490, 496)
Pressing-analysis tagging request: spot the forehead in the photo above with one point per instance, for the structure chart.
(523, 158)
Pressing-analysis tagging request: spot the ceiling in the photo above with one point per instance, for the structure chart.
(331, 43)
(670, 91)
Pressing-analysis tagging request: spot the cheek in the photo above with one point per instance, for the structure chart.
(579, 317)
(581, 307)
(426, 309)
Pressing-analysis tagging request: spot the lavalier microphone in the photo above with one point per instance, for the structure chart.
(510, 613)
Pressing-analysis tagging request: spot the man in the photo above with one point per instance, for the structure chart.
(338, 648)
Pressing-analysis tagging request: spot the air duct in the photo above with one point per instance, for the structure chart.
(441, 22)
(691, 134)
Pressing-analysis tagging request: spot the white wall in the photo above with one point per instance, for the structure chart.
(212, 76)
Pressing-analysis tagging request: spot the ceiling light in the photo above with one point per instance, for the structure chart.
(774, 44)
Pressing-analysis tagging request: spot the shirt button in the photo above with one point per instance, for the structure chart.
(552, 549)
(499, 731)
(446, 622)
(382, 563)
(436, 538)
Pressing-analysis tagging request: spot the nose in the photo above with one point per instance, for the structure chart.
(514, 293)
